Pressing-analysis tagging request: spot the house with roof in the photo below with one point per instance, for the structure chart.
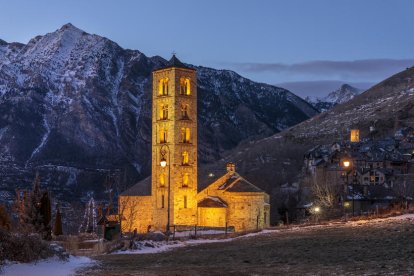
(368, 181)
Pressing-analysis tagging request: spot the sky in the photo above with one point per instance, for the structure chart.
(306, 46)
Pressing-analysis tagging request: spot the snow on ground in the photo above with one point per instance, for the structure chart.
(378, 220)
(151, 247)
(49, 267)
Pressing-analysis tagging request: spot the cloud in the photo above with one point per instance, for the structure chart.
(367, 69)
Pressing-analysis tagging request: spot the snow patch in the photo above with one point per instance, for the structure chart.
(42, 142)
(49, 267)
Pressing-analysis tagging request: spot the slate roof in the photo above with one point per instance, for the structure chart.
(242, 185)
(175, 62)
(142, 188)
(212, 202)
(234, 183)
(205, 178)
(228, 182)
(109, 219)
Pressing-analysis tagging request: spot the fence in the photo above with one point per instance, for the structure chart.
(196, 231)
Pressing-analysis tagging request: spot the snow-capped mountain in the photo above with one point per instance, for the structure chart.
(341, 95)
(76, 107)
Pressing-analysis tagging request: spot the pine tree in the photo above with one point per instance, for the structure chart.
(34, 206)
(57, 230)
(5, 222)
(46, 213)
(34, 210)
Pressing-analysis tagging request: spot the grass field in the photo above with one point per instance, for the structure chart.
(379, 247)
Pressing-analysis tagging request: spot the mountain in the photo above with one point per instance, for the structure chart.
(275, 163)
(341, 95)
(76, 107)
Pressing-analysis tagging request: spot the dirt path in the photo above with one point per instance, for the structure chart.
(373, 248)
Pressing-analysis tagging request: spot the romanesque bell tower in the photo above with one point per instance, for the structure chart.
(174, 145)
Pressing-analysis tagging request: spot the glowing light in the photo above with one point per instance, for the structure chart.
(354, 135)
(163, 163)
(316, 209)
(346, 163)
(347, 204)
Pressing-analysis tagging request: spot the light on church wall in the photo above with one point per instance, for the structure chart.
(163, 162)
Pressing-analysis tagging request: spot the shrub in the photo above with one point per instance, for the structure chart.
(23, 248)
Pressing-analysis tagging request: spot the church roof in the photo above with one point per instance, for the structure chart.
(142, 188)
(212, 202)
(234, 183)
(174, 62)
(205, 178)
(239, 184)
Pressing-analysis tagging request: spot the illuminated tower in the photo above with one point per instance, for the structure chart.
(174, 145)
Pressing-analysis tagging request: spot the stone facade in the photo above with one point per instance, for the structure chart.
(247, 207)
(174, 138)
(137, 210)
(173, 198)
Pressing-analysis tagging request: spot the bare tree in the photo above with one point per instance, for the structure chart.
(403, 188)
(324, 188)
(128, 213)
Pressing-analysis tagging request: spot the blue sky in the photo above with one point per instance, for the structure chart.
(354, 41)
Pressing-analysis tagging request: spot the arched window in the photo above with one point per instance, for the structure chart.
(185, 134)
(163, 87)
(185, 88)
(164, 112)
(185, 180)
(163, 135)
(184, 111)
(185, 158)
(162, 179)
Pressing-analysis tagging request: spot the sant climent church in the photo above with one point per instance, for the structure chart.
(175, 194)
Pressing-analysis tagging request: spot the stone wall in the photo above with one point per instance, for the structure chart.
(136, 213)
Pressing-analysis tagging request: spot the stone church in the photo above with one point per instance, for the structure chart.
(170, 196)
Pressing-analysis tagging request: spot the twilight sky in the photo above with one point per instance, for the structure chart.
(304, 45)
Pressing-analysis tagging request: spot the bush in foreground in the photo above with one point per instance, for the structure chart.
(23, 248)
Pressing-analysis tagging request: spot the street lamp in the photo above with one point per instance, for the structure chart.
(316, 211)
(347, 165)
(163, 164)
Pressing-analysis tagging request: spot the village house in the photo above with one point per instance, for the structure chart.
(373, 167)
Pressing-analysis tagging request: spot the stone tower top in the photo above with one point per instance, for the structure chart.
(175, 62)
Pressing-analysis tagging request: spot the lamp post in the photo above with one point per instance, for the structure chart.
(316, 211)
(347, 165)
(163, 164)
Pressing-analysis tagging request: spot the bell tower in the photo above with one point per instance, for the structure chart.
(174, 145)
